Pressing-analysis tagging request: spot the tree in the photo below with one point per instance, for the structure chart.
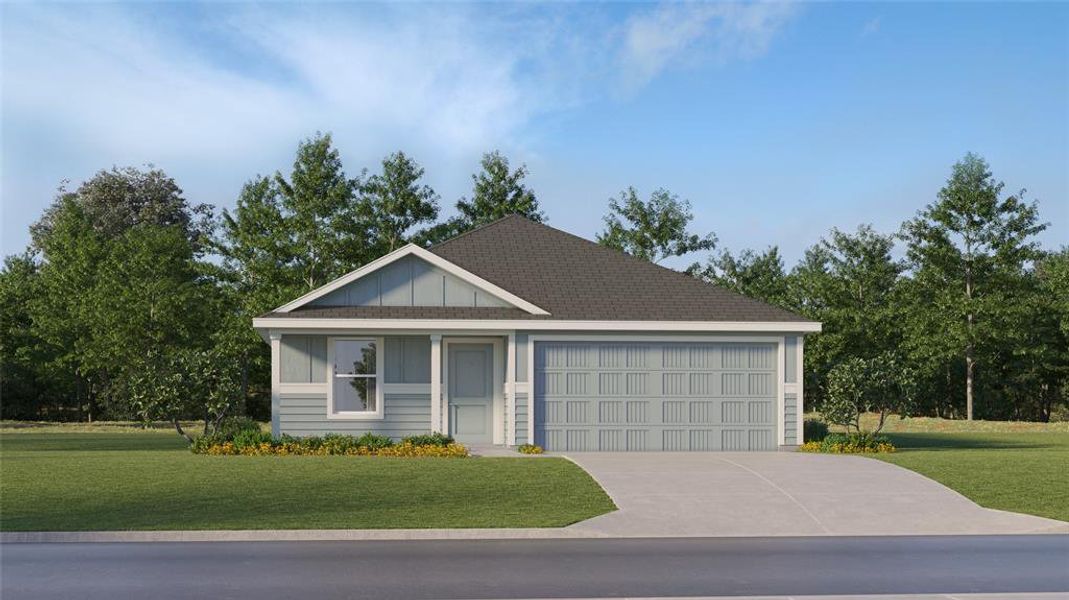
(287, 236)
(848, 281)
(499, 191)
(29, 389)
(757, 275)
(321, 216)
(116, 200)
(652, 230)
(964, 251)
(856, 386)
(394, 202)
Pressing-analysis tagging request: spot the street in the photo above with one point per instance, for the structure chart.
(538, 568)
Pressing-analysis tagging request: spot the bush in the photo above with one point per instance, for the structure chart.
(251, 437)
(429, 439)
(814, 430)
(231, 426)
(853, 443)
(257, 443)
(530, 449)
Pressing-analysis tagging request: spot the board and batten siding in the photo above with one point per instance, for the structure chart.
(409, 281)
(304, 414)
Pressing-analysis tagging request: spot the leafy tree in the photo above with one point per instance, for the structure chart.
(498, 191)
(652, 230)
(965, 252)
(757, 275)
(848, 281)
(881, 384)
(149, 296)
(170, 386)
(287, 236)
(28, 386)
(116, 200)
(394, 202)
(320, 214)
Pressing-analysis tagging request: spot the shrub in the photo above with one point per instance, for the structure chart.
(256, 443)
(231, 426)
(814, 430)
(250, 437)
(374, 442)
(853, 443)
(530, 449)
(429, 439)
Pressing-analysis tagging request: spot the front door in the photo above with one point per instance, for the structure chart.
(471, 392)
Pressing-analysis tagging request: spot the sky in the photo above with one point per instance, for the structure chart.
(777, 121)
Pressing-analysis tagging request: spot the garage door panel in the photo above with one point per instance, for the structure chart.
(615, 397)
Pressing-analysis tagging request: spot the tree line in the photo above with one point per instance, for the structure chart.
(131, 302)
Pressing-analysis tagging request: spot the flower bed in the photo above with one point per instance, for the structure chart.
(296, 448)
(257, 443)
(855, 443)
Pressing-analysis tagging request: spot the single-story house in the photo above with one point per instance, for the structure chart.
(516, 332)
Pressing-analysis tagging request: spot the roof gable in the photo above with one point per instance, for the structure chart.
(411, 277)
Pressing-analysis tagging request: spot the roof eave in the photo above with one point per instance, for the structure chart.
(785, 327)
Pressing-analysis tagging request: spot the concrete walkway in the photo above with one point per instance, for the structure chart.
(783, 494)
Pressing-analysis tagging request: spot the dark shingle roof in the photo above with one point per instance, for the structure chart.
(576, 279)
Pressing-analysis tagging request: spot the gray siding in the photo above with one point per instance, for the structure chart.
(790, 359)
(650, 396)
(306, 414)
(790, 419)
(521, 357)
(410, 281)
(521, 419)
(408, 359)
(304, 359)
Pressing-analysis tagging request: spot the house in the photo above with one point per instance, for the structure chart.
(517, 332)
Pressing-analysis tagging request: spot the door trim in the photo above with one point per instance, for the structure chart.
(497, 385)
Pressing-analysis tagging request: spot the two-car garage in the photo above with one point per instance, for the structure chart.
(657, 396)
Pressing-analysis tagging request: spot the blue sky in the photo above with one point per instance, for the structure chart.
(777, 121)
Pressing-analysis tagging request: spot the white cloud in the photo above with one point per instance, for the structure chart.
(697, 32)
(217, 93)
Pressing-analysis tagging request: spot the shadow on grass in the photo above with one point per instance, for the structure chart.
(91, 442)
(976, 441)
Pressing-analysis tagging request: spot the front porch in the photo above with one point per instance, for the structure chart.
(399, 383)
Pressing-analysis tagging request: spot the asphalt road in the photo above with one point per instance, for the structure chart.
(537, 568)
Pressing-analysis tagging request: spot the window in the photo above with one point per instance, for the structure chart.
(354, 386)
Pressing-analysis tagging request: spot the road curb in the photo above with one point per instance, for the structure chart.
(291, 535)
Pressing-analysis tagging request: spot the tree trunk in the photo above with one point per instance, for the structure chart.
(968, 381)
(969, 362)
(178, 428)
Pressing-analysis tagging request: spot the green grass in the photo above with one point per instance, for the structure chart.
(1007, 465)
(148, 480)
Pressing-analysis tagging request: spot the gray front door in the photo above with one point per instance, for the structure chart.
(471, 392)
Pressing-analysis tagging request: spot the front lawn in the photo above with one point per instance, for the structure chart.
(1008, 465)
(111, 480)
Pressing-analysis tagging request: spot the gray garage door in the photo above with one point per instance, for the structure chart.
(603, 396)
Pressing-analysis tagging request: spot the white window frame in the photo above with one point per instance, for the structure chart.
(380, 362)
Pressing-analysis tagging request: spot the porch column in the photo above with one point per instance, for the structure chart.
(436, 383)
(276, 381)
(510, 391)
(800, 404)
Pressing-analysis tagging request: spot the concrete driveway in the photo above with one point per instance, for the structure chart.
(783, 494)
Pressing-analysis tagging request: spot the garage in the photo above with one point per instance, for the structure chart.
(656, 396)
